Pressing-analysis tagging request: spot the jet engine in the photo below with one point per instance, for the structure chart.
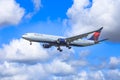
(46, 45)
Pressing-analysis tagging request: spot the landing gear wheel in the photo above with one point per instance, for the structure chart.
(59, 49)
(30, 43)
(69, 47)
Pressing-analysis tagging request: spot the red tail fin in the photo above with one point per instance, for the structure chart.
(96, 35)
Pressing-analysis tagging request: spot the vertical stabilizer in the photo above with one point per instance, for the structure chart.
(96, 35)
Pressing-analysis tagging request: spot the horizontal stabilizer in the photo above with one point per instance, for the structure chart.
(103, 40)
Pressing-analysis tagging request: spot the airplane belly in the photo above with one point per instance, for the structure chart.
(82, 43)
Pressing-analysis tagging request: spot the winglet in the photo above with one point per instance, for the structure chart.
(96, 35)
(99, 29)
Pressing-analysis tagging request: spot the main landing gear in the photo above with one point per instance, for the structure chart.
(59, 49)
(30, 43)
(68, 47)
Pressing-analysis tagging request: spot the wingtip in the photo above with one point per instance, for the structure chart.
(101, 28)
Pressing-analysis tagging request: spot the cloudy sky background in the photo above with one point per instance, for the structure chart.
(20, 61)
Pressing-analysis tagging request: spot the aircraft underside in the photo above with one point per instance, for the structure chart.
(57, 44)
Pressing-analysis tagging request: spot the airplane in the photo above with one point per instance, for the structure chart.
(58, 41)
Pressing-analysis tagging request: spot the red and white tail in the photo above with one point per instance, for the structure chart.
(96, 35)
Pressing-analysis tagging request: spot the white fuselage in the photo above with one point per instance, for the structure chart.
(34, 37)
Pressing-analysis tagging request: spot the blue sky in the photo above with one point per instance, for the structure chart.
(64, 18)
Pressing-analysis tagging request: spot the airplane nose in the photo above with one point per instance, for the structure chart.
(23, 36)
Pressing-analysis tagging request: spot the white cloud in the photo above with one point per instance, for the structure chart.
(38, 71)
(10, 12)
(98, 75)
(16, 71)
(114, 62)
(113, 74)
(86, 75)
(102, 13)
(54, 66)
(82, 76)
(20, 50)
(79, 63)
(60, 68)
(84, 53)
(37, 4)
(17, 56)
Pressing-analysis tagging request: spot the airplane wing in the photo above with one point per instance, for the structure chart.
(71, 39)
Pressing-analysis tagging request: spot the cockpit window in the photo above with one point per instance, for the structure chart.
(25, 34)
(36, 34)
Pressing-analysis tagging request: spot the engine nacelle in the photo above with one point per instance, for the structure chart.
(46, 45)
(61, 41)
